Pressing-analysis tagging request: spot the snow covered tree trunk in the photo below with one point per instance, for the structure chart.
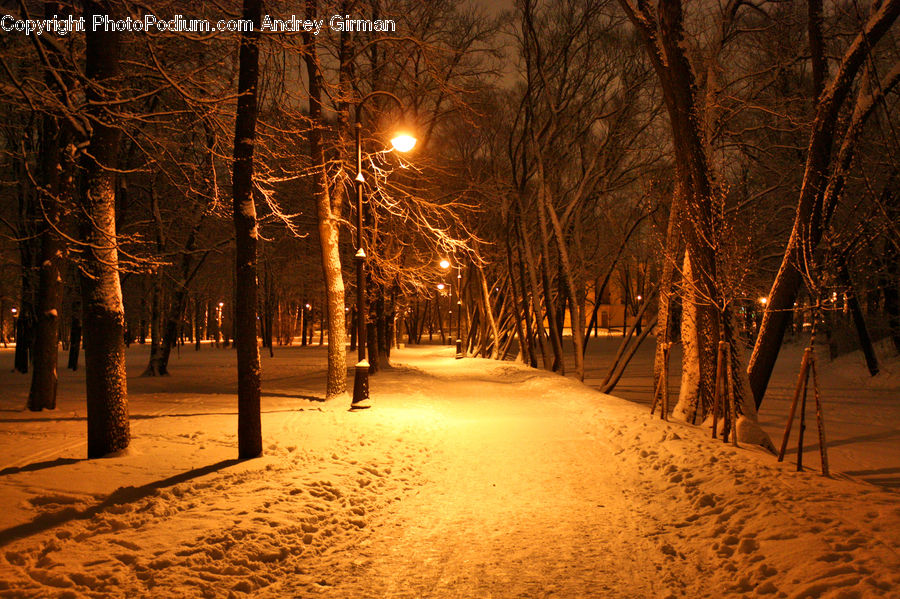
(489, 312)
(663, 35)
(689, 396)
(104, 316)
(668, 274)
(748, 429)
(246, 235)
(328, 217)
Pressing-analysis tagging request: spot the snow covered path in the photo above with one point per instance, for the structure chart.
(467, 478)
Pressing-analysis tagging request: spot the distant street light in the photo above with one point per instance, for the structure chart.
(445, 264)
(403, 142)
(764, 300)
(459, 350)
(219, 322)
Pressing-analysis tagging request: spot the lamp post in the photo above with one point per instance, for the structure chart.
(459, 351)
(637, 322)
(15, 327)
(445, 264)
(401, 143)
(219, 322)
(763, 302)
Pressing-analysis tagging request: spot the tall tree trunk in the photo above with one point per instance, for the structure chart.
(75, 330)
(859, 321)
(246, 235)
(559, 360)
(488, 311)
(29, 250)
(328, 211)
(525, 347)
(527, 263)
(42, 394)
(154, 320)
(890, 287)
(569, 278)
(104, 315)
(698, 217)
(690, 396)
(668, 275)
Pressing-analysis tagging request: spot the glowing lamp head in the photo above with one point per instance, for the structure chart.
(764, 300)
(441, 286)
(403, 142)
(221, 304)
(445, 263)
(639, 298)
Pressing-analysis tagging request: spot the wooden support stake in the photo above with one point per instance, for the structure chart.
(657, 394)
(664, 413)
(720, 382)
(820, 417)
(801, 385)
(729, 386)
(802, 418)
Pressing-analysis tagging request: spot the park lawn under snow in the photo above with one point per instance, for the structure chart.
(469, 478)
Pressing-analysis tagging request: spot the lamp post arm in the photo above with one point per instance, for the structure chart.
(369, 96)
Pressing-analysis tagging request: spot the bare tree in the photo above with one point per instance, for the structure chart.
(812, 214)
(246, 234)
(104, 318)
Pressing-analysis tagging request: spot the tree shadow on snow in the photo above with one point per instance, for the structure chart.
(47, 419)
(872, 477)
(39, 466)
(120, 496)
(291, 396)
(229, 413)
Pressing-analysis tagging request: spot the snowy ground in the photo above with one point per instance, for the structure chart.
(861, 412)
(467, 478)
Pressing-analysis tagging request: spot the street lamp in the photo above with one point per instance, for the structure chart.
(402, 142)
(445, 264)
(15, 329)
(219, 322)
(459, 350)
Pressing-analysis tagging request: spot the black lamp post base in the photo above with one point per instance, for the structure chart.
(459, 352)
(361, 389)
